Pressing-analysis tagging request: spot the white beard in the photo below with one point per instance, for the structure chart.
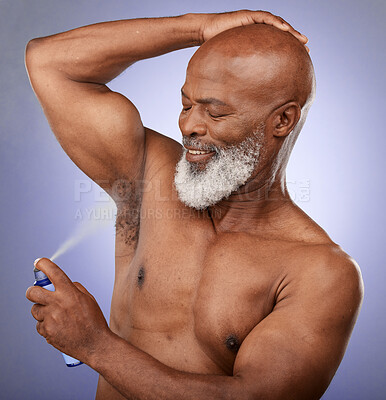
(228, 169)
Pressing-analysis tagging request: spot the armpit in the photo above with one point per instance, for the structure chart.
(127, 196)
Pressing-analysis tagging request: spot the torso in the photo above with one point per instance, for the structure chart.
(188, 295)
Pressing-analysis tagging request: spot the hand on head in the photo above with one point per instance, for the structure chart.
(217, 23)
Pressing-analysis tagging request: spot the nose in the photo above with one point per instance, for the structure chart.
(191, 123)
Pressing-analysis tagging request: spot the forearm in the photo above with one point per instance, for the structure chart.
(100, 52)
(136, 374)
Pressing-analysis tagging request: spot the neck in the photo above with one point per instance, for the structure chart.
(261, 202)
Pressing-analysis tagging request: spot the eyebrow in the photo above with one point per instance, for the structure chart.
(206, 100)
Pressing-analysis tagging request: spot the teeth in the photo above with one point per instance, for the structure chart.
(198, 152)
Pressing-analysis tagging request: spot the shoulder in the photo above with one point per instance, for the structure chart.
(331, 262)
(326, 272)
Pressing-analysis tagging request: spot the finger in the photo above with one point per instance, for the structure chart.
(274, 20)
(302, 38)
(307, 48)
(54, 273)
(40, 328)
(278, 22)
(37, 294)
(80, 287)
(37, 311)
(297, 34)
(288, 27)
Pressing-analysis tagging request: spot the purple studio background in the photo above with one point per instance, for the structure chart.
(335, 173)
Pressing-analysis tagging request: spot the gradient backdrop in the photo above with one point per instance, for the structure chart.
(336, 173)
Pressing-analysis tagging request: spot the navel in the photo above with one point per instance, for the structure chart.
(141, 276)
(232, 343)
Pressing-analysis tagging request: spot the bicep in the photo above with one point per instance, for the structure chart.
(100, 130)
(294, 352)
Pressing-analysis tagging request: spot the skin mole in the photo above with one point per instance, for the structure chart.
(232, 343)
(141, 276)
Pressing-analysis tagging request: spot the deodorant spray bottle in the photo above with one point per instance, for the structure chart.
(43, 281)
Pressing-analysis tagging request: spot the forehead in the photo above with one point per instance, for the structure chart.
(207, 77)
(236, 78)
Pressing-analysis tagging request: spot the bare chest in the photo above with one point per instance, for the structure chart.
(191, 304)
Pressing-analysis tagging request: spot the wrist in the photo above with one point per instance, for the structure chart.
(101, 348)
(195, 23)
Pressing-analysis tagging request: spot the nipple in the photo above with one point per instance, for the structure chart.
(232, 343)
(141, 277)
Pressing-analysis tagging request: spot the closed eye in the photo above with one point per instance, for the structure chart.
(216, 115)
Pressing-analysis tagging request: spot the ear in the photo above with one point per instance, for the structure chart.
(285, 118)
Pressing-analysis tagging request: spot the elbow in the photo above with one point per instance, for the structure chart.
(33, 44)
(34, 54)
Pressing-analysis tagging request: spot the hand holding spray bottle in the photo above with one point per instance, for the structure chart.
(42, 280)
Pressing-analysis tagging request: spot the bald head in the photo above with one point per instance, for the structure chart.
(272, 63)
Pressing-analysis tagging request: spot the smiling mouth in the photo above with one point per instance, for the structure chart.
(199, 151)
(198, 155)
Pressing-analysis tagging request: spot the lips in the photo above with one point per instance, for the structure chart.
(193, 155)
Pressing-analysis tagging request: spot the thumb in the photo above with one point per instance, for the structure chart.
(54, 273)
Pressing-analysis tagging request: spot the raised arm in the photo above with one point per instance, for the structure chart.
(99, 129)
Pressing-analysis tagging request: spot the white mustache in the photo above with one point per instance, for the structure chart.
(193, 142)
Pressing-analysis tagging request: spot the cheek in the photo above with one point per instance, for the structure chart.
(228, 133)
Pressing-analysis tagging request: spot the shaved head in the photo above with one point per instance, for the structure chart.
(272, 61)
